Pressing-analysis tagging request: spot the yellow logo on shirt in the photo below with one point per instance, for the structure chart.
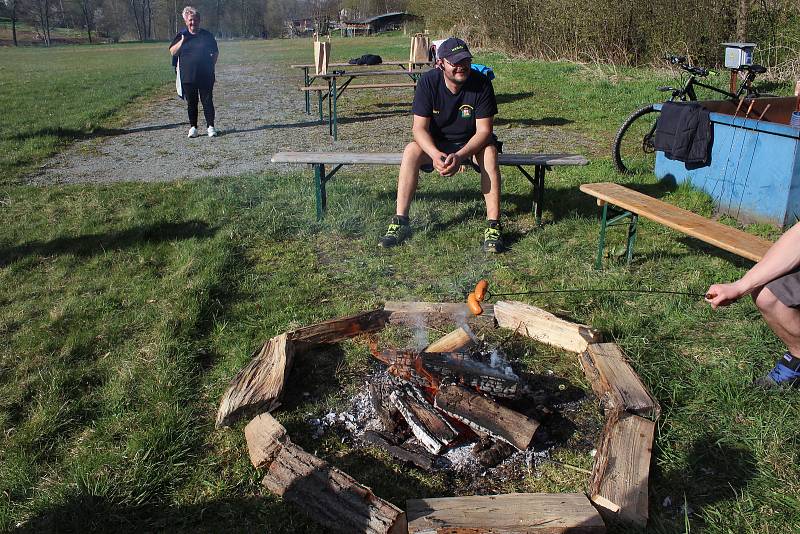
(465, 111)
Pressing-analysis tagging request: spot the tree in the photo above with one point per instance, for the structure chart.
(12, 5)
(87, 9)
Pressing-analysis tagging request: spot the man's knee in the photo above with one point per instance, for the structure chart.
(413, 150)
(766, 301)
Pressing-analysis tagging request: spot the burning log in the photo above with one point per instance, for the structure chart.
(430, 428)
(421, 459)
(391, 418)
(259, 385)
(513, 513)
(486, 416)
(330, 496)
(544, 326)
(457, 367)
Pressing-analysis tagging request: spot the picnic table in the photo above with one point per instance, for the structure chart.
(309, 79)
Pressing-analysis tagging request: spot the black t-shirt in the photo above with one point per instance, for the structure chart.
(453, 116)
(197, 65)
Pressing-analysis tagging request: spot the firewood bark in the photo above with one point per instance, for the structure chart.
(523, 513)
(330, 496)
(259, 385)
(485, 415)
(454, 341)
(336, 330)
(379, 396)
(615, 382)
(265, 437)
(464, 370)
(544, 326)
(421, 459)
(618, 484)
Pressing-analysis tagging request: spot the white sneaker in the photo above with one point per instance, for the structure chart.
(212, 132)
(192, 132)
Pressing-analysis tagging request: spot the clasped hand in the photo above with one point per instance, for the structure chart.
(447, 164)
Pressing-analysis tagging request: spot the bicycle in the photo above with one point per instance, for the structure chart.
(634, 151)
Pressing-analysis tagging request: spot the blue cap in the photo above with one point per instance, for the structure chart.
(453, 50)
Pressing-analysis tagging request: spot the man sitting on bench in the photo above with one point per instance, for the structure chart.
(453, 110)
(774, 283)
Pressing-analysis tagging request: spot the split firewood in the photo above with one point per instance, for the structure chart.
(621, 468)
(410, 312)
(514, 513)
(485, 415)
(543, 326)
(336, 330)
(615, 382)
(421, 459)
(265, 437)
(329, 496)
(455, 341)
(258, 387)
(426, 436)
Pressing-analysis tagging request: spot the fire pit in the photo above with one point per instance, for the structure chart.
(457, 405)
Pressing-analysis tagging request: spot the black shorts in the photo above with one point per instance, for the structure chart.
(787, 288)
(449, 147)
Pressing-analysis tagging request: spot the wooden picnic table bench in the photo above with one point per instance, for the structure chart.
(334, 89)
(629, 205)
(308, 79)
(318, 160)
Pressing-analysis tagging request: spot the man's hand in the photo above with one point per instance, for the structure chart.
(452, 163)
(439, 159)
(723, 294)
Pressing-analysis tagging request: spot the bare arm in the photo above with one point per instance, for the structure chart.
(781, 258)
(174, 49)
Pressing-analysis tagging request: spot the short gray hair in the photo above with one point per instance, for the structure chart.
(189, 10)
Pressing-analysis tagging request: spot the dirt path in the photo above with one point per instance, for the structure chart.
(259, 112)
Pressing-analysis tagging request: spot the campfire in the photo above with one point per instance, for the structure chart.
(430, 401)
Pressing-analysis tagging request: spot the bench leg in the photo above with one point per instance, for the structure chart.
(537, 181)
(319, 185)
(319, 96)
(306, 83)
(335, 98)
(601, 241)
(631, 237)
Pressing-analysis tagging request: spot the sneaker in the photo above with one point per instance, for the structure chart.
(212, 132)
(492, 239)
(398, 230)
(781, 374)
(192, 132)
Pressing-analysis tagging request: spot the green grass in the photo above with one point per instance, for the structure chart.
(128, 308)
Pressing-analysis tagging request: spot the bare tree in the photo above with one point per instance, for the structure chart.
(40, 11)
(12, 5)
(87, 10)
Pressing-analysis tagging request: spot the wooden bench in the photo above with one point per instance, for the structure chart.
(630, 205)
(318, 160)
(362, 86)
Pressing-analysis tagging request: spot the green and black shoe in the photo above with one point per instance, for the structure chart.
(492, 238)
(398, 230)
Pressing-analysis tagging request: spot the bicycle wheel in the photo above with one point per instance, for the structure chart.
(634, 152)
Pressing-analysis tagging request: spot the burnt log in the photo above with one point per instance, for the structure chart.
(329, 496)
(457, 367)
(421, 459)
(432, 431)
(486, 416)
(336, 330)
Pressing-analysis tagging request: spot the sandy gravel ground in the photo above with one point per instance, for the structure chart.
(259, 112)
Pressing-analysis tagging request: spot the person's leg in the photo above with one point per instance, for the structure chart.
(490, 180)
(190, 93)
(207, 98)
(782, 319)
(413, 158)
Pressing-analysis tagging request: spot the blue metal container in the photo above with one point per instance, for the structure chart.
(754, 172)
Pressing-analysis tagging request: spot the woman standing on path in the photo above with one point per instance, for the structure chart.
(197, 54)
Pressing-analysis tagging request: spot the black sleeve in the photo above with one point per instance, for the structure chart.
(175, 40)
(423, 98)
(213, 44)
(486, 105)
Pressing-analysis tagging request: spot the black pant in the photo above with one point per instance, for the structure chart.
(190, 93)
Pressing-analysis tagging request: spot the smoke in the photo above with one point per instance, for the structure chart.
(420, 331)
(498, 361)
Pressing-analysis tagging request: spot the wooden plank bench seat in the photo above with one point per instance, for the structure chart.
(634, 204)
(361, 86)
(318, 160)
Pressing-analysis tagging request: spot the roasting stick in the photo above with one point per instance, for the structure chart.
(755, 143)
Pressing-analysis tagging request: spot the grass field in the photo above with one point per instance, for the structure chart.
(126, 309)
